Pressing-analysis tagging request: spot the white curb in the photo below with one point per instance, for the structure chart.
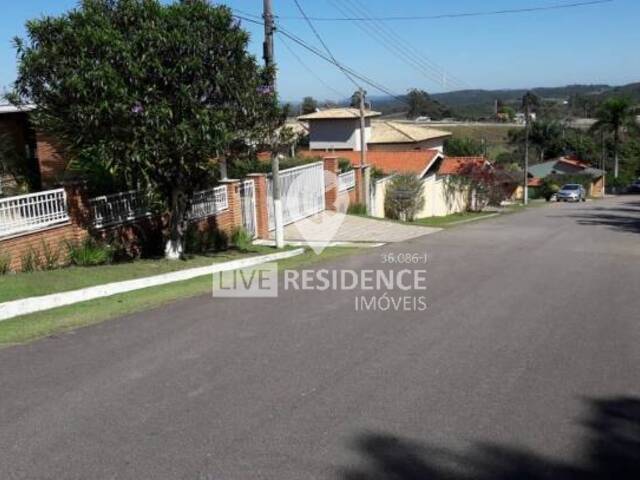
(314, 243)
(25, 306)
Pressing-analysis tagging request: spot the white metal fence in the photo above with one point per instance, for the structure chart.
(118, 208)
(302, 190)
(33, 211)
(346, 180)
(109, 210)
(209, 202)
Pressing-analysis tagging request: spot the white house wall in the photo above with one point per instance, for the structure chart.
(438, 202)
(337, 134)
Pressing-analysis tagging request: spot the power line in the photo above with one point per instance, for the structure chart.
(351, 71)
(395, 44)
(454, 15)
(444, 76)
(310, 70)
(326, 48)
(372, 83)
(246, 19)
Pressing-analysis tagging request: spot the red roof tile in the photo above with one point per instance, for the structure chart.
(534, 182)
(411, 161)
(575, 161)
(458, 165)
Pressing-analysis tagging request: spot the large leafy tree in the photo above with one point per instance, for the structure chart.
(421, 104)
(544, 136)
(463, 147)
(153, 92)
(614, 114)
(309, 105)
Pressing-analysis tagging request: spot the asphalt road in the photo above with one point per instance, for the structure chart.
(526, 364)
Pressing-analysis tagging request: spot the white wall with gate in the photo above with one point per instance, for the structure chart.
(439, 200)
(302, 191)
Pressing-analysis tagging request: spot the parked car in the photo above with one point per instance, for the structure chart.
(634, 187)
(571, 192)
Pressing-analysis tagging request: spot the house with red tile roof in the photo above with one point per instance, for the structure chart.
(567, 166)
(417, 162)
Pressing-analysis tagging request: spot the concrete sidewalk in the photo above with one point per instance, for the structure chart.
(338, 227)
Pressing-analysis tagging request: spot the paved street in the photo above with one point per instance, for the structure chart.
(526, 364)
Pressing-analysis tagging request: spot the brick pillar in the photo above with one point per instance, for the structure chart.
(51, 161)
(78, 208)
(330, 183)
(235, 209)
(262, 204)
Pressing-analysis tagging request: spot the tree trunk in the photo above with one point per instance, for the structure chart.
(174, 247)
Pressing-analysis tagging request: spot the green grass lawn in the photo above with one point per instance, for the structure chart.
(493, 134)
(22, 285)
(452, 219)
(41, 324)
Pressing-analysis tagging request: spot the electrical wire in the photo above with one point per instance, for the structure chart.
(455, 15)
(398, 47)
(310, 70)
(326, 47)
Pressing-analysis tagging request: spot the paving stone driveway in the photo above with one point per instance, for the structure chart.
(338, 227)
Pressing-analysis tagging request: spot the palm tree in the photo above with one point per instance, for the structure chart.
(614, 114)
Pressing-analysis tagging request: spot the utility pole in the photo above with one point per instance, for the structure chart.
(364, 171)
(603, 163)
(363, 142)
(269, 28)
(527, 114)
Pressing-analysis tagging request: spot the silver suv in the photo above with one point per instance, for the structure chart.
(571, 192)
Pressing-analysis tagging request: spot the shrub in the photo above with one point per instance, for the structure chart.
(219, 240)
(404, 197)
(89, 253)
(5, 263)
(548, 189)
(50, 256)
(357, 209)
(194, 240)
(29, 261)
(242, 239)
(344, 165)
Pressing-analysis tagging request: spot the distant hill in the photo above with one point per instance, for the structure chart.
(480, 103)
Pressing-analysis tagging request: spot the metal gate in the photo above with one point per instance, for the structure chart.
(248, 206)
(302, 191)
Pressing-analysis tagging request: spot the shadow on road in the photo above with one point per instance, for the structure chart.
(611, 450)
(619, 217)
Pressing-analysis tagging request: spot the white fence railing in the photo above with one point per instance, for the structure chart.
(33, 211)
(118, 208)
(302, 190)
(209, 202)
(346, 180)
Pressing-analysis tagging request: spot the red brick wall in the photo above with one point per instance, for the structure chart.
(54, 238)
(50, 159)
(132, 234)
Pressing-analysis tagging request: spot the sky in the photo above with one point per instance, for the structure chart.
(590, 44)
